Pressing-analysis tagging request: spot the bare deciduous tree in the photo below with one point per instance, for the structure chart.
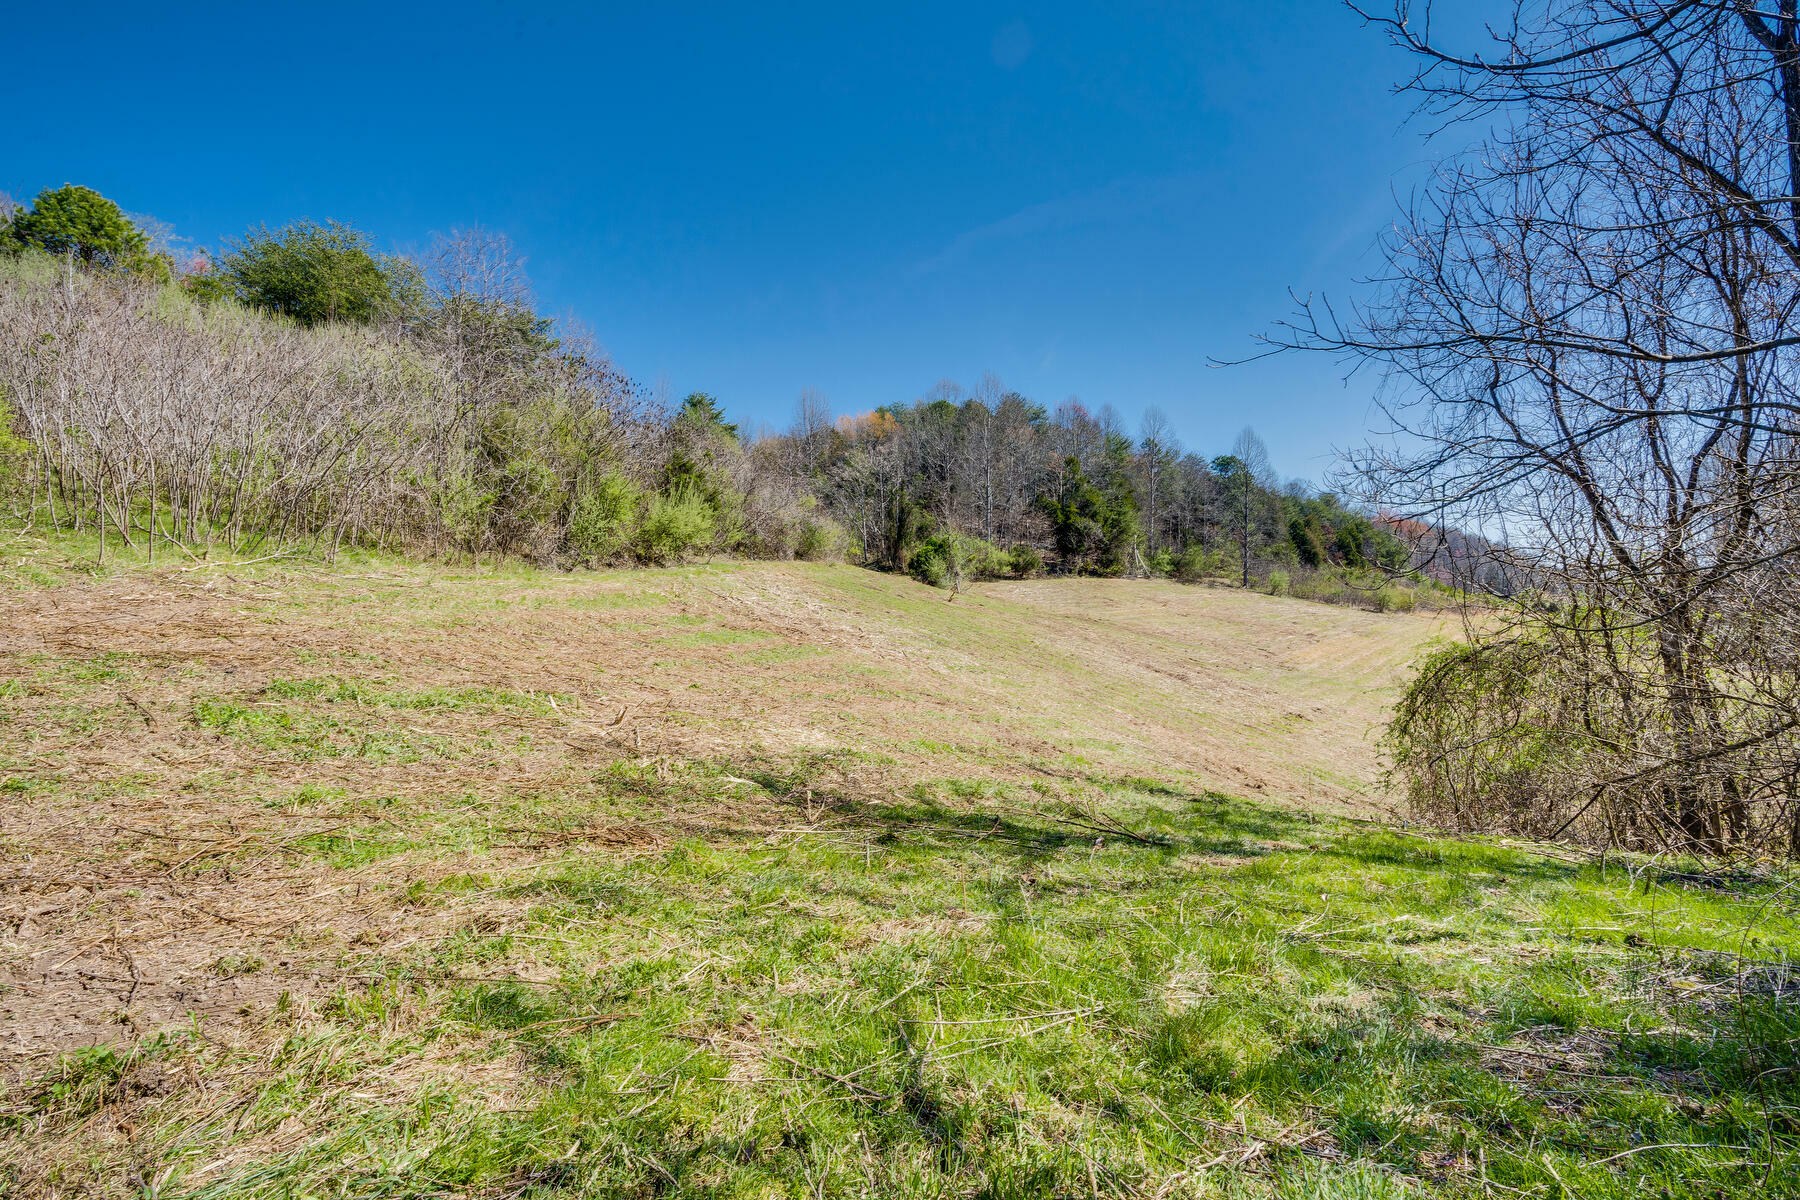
(812, 429)
(1589, 335)
(160, 421)
(188, 426)
(1158, 452)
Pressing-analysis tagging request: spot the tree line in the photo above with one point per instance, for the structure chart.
(989, 482)
(302, 387)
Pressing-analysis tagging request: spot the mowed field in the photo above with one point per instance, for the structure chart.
(389, 879)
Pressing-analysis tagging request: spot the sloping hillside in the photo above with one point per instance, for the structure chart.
(185, 708)
(778, 879)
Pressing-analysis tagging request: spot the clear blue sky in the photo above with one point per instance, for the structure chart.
(750, 200)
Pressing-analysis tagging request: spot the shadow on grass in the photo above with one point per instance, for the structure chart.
(1161, 819)
(1549, 1089)
(1701, 1106)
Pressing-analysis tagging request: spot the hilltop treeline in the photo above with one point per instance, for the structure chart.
(302, 388)
(991, 482)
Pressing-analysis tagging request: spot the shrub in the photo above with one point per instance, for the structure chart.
(950, 559)
(1497, 738)
(1024, 561)
(1360, 589)
(730, 522)
(529, 496)
(1161, 563)
(1194, 564)
(1394, 599)
(930, 563)
(1317, 586)
(675, 525)
(15, 452)
(821, 540)
(315, 273)
(984, 560)
(604, 518)
(705, 458)
(461, 508)
(1278, 583)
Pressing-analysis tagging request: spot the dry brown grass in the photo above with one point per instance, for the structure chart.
(160, 869)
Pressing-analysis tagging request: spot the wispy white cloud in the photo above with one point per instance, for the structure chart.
(1118, 202)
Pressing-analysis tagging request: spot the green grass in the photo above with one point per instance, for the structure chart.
(308, 736)
(973, 991)
(339, 690)
(917, 960)
(303, 717)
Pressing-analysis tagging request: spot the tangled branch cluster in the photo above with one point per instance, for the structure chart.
(1589, 335)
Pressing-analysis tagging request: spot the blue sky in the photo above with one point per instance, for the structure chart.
(1086, 200)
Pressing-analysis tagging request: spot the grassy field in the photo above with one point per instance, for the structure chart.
(391, 880)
